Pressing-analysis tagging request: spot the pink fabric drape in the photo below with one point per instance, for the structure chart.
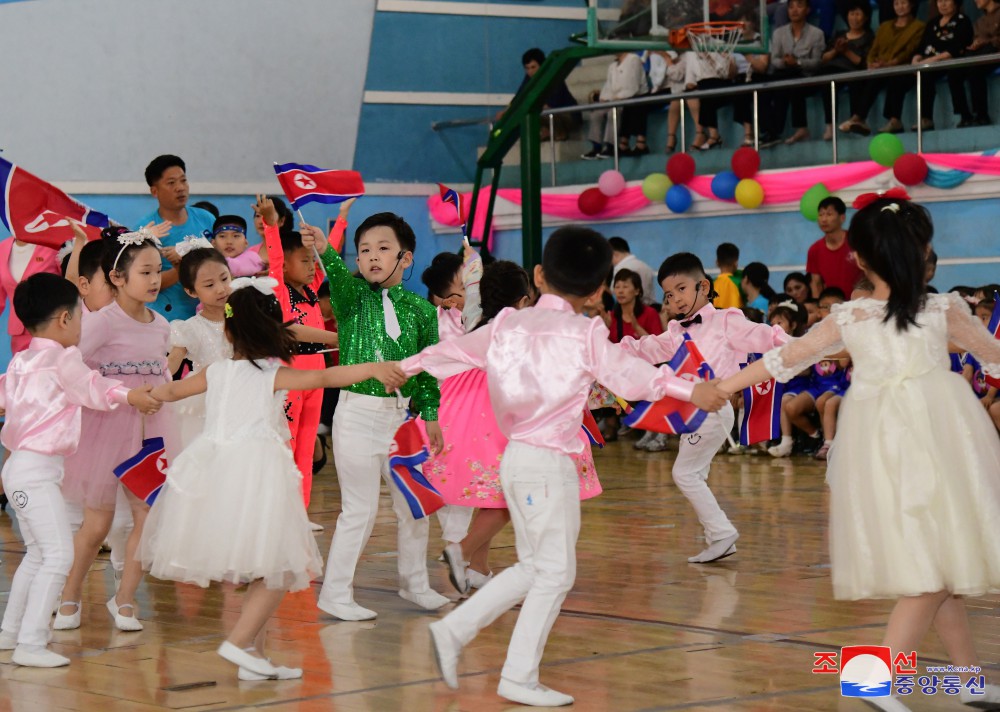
(989, 165)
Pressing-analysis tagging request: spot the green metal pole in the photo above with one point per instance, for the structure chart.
(531, 190)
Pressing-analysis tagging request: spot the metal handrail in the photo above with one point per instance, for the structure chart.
(755, 88)
(460, 123)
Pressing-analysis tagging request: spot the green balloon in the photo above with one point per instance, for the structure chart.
(655, 187)
(809, 203)
(885, 149)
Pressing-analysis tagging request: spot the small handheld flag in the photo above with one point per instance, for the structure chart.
(450, 195)
(144, 473)
(39, 213)
(304, 184)
(671, 415)
(406, 455)
(590, 428)
(994, 328)
(761, 410)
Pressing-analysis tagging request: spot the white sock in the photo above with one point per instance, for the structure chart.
(786, 439)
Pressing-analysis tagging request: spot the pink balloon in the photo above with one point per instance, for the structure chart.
(611, 183)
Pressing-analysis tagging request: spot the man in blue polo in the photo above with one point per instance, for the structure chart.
(167, 180)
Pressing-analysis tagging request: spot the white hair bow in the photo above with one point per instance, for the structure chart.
(264, 285)
(65, 250)
(789, 304)
(133, 238)
(192, 242)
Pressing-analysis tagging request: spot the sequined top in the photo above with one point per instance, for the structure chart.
(361, 325)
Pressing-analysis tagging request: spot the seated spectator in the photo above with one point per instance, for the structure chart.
(626, 79)
(946, 37)
(622, 258)
(750, 68)
(798, 286)
(830, 259)
(711, 70)
(986, 41)
(896, 41)
(727, 284)
(847, 52)
(755, 285)
(630, 317)
(796, 49)
(667, 75)
(558, 97)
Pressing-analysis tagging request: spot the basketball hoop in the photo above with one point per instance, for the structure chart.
(717, 37)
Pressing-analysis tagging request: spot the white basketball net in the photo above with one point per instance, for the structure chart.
(721, 39)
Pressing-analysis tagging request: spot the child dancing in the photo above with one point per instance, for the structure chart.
(45, 387)
(208, 524)
(540, 363)
(915, 476)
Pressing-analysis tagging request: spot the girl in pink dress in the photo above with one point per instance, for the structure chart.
(467, 471)
(128, 342)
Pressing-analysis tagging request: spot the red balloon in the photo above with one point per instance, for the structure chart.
(745, 162)
(680, 168)
(910, 169)
(591, 201)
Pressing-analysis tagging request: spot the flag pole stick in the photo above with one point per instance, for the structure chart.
(315, 251)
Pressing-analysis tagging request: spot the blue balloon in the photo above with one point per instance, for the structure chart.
(678, 198)
(724, 185)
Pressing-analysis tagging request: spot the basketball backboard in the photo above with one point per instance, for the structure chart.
(634, 24)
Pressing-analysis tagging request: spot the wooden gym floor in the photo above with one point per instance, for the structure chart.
(642, 629)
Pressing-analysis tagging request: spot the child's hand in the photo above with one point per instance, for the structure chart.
(265, 208)
(472, 267)
(142, 399)
(435, 437)
(389, 374)
(158, 231)
(708, 396)
(345, 207)
(313, 238)
(79, 236)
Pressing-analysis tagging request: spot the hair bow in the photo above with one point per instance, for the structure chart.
(127, 239)
(789, 304)
(866, 199)
(264, 285)
(192, 242)
(65, 250)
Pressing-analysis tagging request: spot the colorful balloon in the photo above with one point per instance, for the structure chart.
(679, 199)
(910, 169)
(749, 193)
(745, 162)
(885, 148)
(680, 168)
(591, 201)
(724, 185)
(611, 183)
(655, 187)
(809, 203)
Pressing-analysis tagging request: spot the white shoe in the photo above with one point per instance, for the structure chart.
(476, 579)
(446, 651)
(8, 641)
(456, 568)
(646, 439)
(347, 611)
(314, 527)
(716, 550)
(988, 700)
(889, 704)
(537, 696)
(243, 659)
(782, 449)
(658, 444)
(38, 657)
(129, 624)
(68, 622)
(428, 600)
(284, 673)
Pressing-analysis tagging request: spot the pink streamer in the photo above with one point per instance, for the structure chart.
(989, 165)
(788, 187)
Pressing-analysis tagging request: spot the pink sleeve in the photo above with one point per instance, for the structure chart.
(93, 332)
(630, 377)
(652, 349)
(276, 268)
(751, 337)
(3, 391)
(448, 358)
(87, 388)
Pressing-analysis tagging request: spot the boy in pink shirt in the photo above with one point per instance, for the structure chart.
(724, 337)
(540, 363)
(42, 392)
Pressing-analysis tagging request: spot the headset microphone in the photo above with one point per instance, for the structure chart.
(375, 286)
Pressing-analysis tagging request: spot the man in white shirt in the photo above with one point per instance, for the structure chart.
(622, 258)
(626, 79)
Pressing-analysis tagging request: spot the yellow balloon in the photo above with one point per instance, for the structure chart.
(749, 193)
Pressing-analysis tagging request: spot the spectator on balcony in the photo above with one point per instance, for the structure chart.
(986, 41)
(896, 41)
(667, 75)
(626, 79)
(847, 52)
(946, 37)
(558, 97)
(796, 49)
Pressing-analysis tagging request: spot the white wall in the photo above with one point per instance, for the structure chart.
(93, 89)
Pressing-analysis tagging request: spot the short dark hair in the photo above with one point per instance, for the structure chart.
(256, 328)
(187, 270)
(228, 220)
(932, 257)
(291, 240)
(576, 260)
(503, 285)
(207, 207)
(533, 55)
(90, 258)
(401, 228)
(832, 201)
(619, 244)
(727, 254)
(835, 292)
(441, 273)
(863, 5)
(41, 297)
(683, 263)
(156, 167)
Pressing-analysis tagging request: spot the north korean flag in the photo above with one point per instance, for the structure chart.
(407, 454)
(304, 184)
(761, 410)
(144, 473)
(670, 415)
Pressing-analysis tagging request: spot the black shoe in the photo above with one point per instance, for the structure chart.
(321, 462)
(608, 152)
(591, 155)
(3, 503)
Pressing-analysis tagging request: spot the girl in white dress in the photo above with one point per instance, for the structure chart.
(914, 474)
(208, 524)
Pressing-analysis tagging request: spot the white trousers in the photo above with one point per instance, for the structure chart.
(121, 527)
(363, 428)
(543, 493)
(32, 483)
(455, 520)
(694, 459)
